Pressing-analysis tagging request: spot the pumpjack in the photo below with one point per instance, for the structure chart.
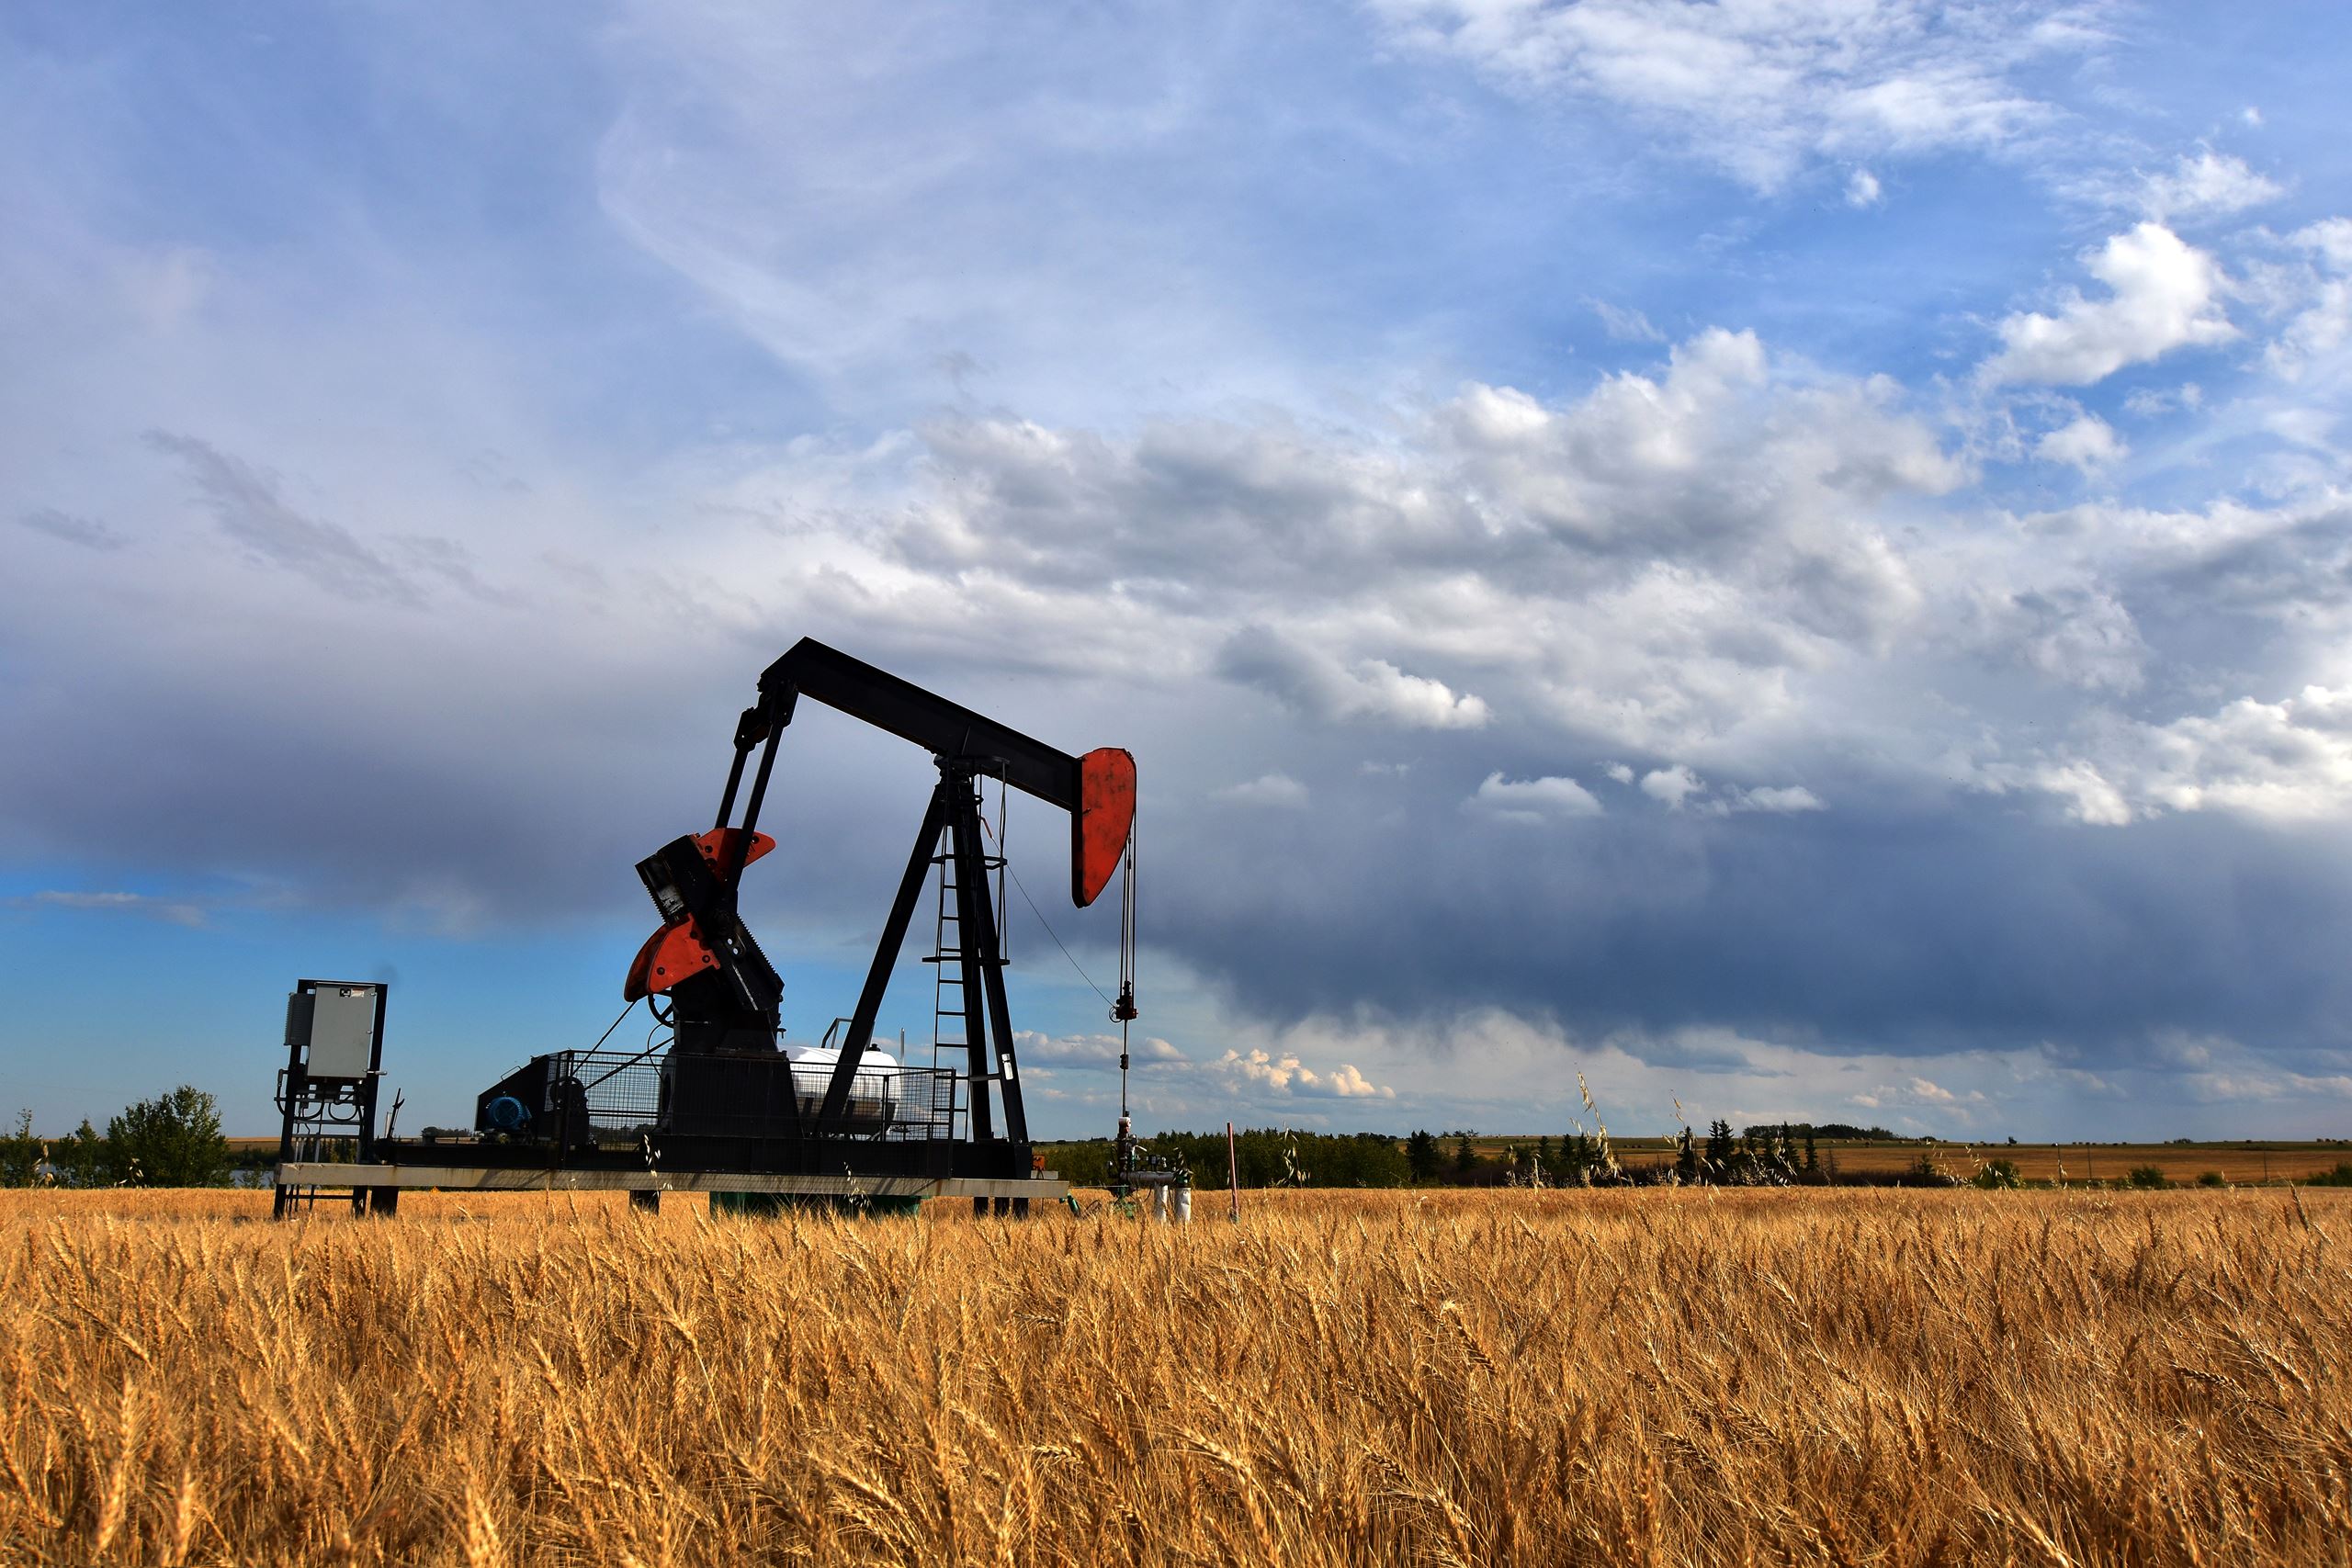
(726, 1107)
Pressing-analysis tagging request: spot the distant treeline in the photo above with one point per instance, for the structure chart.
(1273, 1156)
(1796, 1155)
(1846, 1130)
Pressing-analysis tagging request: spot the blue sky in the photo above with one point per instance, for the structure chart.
(1790, 557)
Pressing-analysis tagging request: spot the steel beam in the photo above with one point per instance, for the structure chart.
(341, 1177)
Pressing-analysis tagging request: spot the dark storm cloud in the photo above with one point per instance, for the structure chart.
(1971, 926)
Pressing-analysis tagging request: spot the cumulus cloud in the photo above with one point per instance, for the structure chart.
(2078, 636)
(1323, 688)
(1277, 790)
(1673, 785)
(1653, 561)
(2163, 294)
(1531, 801)
(1862, 189)
(2088, 441)
(1285, 1075)
(2208, 185)
(2320, 297)
(2284, 762)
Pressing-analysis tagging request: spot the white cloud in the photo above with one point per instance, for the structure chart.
(2285, 763)
(1626, 324)
(2147, 402)
(1654, 562)
(1277, 790)
(2077, 636)
(1760, 89)
(1322, 687)
(1619, 771)
(2208, 185)
(1285, 1075)
(1781, 799)
(1087, 1051)
(2332, 239)
(2323, 300)
(1349, 1084)
(172, 911)
(1862, 189)
(2164, 294)
(1673, 785)
(1532, 800)
(1916, 1091)
(2088, 443)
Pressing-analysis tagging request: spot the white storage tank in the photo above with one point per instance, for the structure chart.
(874, 1093)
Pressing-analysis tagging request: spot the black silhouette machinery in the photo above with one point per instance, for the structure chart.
(725, 1107)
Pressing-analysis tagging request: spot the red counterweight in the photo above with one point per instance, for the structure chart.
(1099, 828)
(677, 952)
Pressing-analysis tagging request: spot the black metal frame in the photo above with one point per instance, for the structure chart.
(968, 747)
(313, 1107)
(721, 1012)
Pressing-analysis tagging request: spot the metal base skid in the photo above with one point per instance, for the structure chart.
(526, 1179)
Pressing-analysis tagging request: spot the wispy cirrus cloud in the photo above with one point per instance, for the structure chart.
(1759, 90)
(172, 911)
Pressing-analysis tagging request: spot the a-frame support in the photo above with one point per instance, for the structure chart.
(955, 808)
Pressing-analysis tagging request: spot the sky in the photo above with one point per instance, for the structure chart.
(1791, 559)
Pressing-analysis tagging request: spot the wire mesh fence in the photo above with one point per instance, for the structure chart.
(628, 1094)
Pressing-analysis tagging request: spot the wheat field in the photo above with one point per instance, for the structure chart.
(1648, 1377)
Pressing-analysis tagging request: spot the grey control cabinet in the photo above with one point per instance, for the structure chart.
(337, 1026)
(342, 1031)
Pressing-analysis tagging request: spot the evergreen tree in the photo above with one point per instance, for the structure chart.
(1421, 1156)
(20, 1154)
(1719, 1150)
(1465, 1158)
(1812, 1155)
(1686, 1157)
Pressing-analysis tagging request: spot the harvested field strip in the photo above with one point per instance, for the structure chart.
(1586, 1377)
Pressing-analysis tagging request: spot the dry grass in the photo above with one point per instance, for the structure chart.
(1586, 1377)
